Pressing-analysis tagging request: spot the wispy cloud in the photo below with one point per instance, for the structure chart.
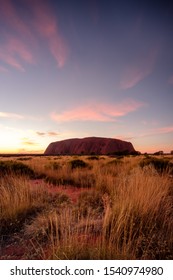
(15, 49)
(9, 59)
(10, 115)
(45, 23)
(17, 46)
(24, 44)
(133, 74)
(3, 69)
(13, 19)
(125, 138)
(28, 151)
(98, 112)
(40, 133)
(30, 143)
(151, 132)
(50, 133)
(14, 52)
(27, 141)
(156, 131)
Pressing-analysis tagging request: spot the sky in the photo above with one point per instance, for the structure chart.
(74, 69)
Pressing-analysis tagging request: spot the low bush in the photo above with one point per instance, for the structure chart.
(90, 200)
(78, 163)
(115, 162)
(24, 158)
(93, 158)
(59, 181)
(53, 165)
(18, 201)
(160, 164)
(44, 227)
(17, 168)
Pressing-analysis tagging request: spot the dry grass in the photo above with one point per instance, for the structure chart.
(124, 213)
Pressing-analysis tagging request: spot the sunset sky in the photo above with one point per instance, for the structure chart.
(73, 69)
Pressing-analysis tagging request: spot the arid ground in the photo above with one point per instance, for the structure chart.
(86, 207)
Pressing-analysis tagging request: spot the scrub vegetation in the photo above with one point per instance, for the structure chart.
(81, 207)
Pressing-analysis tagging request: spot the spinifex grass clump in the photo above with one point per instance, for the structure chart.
(160, 164)
(20, 201)
(59, 181)
(24, 158)
(17, 168)
(93, 158)
(53, 166)
(46, 225)
(138, 224)
(90, 201)
(78, 163)
(17, 201)
(115, 162)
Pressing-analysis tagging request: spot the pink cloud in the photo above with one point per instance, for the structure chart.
(15, 49)
(45, 23)
(128, 137)
(97, 112)
(155, 131)
(14, 52)
(26, 34)
(10, 16)
(162, 130)
(52, 133)
(135, 73)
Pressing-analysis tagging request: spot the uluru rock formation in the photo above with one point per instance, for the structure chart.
(88, 146)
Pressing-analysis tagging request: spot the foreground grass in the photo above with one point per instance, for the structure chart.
(125, 211)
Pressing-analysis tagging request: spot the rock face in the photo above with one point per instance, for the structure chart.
(88, 146)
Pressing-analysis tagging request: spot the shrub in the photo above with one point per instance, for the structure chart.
(44, 227)
(18, 168)
(53, 165)
(59, 181)
(161, 165)
(18, 201)
(90, 200)
(93, 158)
(115, 162)
(24, 158)
(78, 163)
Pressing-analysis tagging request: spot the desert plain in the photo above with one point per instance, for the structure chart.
(86, 207)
